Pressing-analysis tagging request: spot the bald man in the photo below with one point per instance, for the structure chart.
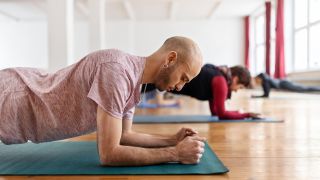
(99, 93)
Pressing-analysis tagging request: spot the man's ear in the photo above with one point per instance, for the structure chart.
(171, 57)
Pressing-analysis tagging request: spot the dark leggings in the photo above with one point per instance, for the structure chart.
(287, 85)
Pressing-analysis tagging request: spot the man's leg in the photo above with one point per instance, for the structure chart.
(287, 85)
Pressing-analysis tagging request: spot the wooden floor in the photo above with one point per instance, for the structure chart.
(289, 150)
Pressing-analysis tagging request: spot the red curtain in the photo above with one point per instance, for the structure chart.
(280, 62)
(268, 36)
(247, 41)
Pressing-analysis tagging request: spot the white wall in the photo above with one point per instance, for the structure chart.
(121, 35)
(23, 44)
(81, 40)
(221, 40)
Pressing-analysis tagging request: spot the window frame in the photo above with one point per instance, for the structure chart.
(295, 31)
(272, 40)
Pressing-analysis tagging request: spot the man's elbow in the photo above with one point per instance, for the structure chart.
(105, 161)
(105, 158)
(108, 160)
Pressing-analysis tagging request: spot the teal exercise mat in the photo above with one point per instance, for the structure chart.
(81, 158)
(146, 119)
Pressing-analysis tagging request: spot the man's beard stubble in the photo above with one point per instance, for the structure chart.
(163, 79)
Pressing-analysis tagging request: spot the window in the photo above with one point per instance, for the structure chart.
(301, 13)
(301, 50)
(306, 35)
(259, 59)
(314, 10)
(260, 29)
(259, 45)
(315, 46)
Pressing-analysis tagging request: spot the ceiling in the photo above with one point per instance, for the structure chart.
(137, 10)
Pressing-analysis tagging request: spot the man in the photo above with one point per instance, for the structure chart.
(215, 84)
(269, 83)
(100, 93)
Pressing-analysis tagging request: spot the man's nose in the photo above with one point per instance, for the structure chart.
(180, 86)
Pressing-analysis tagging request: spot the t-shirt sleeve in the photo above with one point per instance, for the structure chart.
(111, 89)
(129, 114)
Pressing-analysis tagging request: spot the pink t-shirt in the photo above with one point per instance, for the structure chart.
(41, 107)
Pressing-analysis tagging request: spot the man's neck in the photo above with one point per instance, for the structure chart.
(151, 69)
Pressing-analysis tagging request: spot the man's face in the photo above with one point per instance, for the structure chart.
(235, 85)
(258, 81)
(174, 77)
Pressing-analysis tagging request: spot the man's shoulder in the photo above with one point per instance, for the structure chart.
(119, 60)
(108, 55)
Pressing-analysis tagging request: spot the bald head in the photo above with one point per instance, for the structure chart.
(180, 61)
(187, 50)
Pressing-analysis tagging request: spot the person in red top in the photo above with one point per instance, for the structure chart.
(215, 84)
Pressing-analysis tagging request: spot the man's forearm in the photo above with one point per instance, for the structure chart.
(147, 140)
(137, 156)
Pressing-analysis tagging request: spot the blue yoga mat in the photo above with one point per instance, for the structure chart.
(154, 106)
(81, 158)
(193, 119)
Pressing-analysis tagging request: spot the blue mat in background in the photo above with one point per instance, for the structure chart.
(81, 158)
(193, 119)
(153, 106)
